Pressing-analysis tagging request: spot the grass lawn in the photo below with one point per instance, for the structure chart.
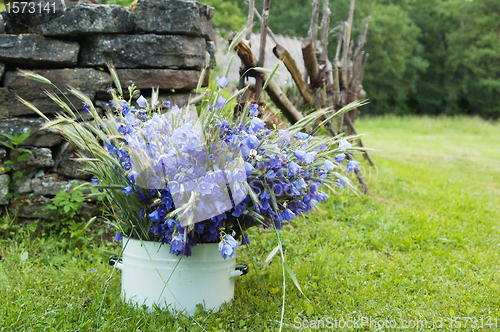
(424, 246)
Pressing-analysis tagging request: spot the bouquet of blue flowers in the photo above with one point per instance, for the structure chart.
(203, 173)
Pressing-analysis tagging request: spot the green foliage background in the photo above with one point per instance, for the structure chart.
(426, 57)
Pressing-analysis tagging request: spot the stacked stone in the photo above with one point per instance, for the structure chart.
(163, 44)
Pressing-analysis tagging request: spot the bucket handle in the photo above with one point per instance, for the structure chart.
(240, 270)
(116, 262)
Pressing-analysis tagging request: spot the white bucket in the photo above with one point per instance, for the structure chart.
(150, 274)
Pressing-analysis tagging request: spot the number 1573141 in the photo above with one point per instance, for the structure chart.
(30, 7)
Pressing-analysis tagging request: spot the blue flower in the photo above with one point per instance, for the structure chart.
(94, 181)
(86, 107)
(226, 250)
(175, 109)
(286, 215)
(227, 246)
(265, 195)
(249, 168)
(352, 165)
(177, 244)
(142, 102)
(340, 157)
(238, 210)
(221, 103)
(248, 143)
(167, 104)
(344, 144)
(127, 190)
(293, 168)
(301, 135)
(257, 124)
(285, 133)
(329, 166)
(232, 242)
(310, 156)
(167, 201)
(221, 81)
(254, 110)
(154, 216)
(271, 175)
(244, 240)
(118, 237)
(300, 155)
(340, 184)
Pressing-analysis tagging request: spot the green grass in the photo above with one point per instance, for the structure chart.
(423, 246)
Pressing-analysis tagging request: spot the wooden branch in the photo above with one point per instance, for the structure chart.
(313, 28)
(275, 93)
(251, 7)
(262, 49)
(273, 36)
(281, 53)
(310, 61)
(365, 153)
(359, 175)
(325, 26)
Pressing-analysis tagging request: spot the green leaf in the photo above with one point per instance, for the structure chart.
(8, 162)
(8, 145)
(25, 150)
(272, 254)
(23, 157)
(24, 136)
(18, 174)
(271, 76)
(9, 136)
(309, 310)
(294, 279)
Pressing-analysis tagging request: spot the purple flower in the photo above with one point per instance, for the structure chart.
(344, 144)
(142, 102)
(86, 107)
(352, 165)
(118, 237)
(293, 168)
(175, 109)
(221, 81)
(340, 157)
(254, 110)
(340, 184)
(221, 103)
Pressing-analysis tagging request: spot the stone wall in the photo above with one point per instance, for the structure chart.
(162, 44)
